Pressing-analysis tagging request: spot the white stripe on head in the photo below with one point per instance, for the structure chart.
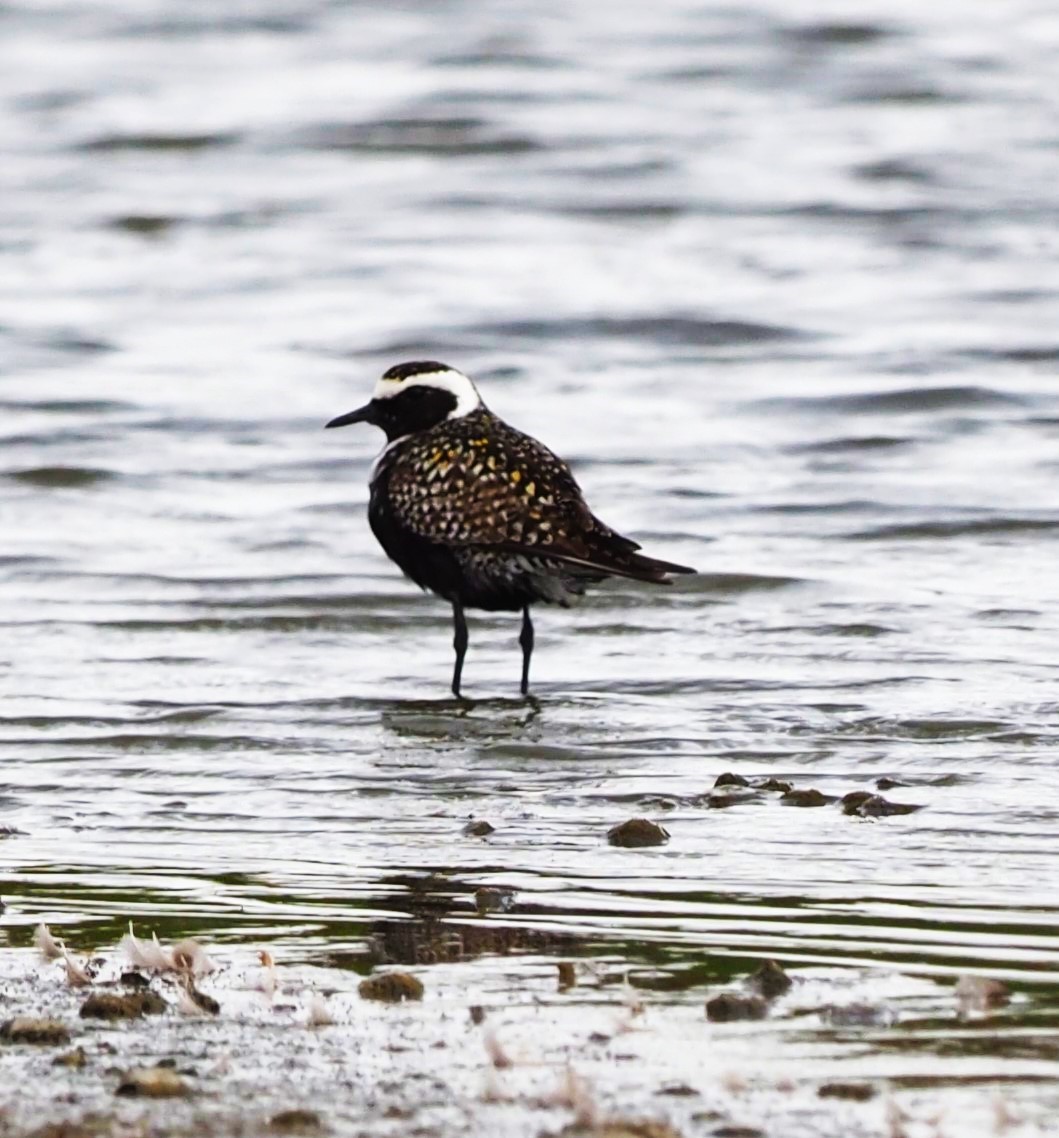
(447, 379)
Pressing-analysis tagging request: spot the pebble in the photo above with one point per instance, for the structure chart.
(391, 987)
(730, 1006)
(30, 1029)
(637, 832)
(478, 828)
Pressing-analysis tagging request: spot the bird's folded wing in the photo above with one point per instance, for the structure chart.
(513, 495)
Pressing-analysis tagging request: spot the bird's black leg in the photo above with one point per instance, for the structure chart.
(459, 642)
(526, 640)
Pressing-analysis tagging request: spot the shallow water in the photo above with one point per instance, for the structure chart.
(780, 282)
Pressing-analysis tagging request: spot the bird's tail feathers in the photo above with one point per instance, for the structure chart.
(598, 564)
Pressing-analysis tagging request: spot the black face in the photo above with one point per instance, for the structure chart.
(415, 406)
(414, 409)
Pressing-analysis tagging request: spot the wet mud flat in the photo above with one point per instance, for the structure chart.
(518, 1043)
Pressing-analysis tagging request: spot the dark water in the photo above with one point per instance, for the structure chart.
(779, 280)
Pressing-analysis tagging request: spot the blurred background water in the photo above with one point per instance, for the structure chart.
(780, 280)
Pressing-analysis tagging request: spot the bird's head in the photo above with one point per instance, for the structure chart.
(413, 397)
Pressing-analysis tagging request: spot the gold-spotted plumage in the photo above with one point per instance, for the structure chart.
(480, 513)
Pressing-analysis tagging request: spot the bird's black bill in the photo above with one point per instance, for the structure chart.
(361, 415)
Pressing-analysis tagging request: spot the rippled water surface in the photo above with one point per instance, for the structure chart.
(780, 282)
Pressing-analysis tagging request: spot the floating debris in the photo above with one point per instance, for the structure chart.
(981, 994)
(319, 1014)
(48, 947)
(769, 980)
(145, 954)
(189, 956)
(131, 1005)
(477, 1014)
(731, 1006)
(31, 1029)
(391, 987)
(807, 798)
(478, 828)
(637, 832)
(76, 974)
(153, 1082)
(268, 981)
(498, 1056)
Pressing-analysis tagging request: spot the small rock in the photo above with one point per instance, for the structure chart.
(776, 784)
(879, 807)
(852, 802)
(769, 980)
(637, 832)
(478, 828)
(715, 801)
(851, 1092)
(391, 987)
(677, 1090)
(295, 1121)
(152, 1082)
(737, 1132)
(30, 1029)
(806, 798)
(730, 1006)
(75, 1059)
(889, 783)
(567, 975)
(981, 994)
(477, 1013)
(107, 1005)
(134, 979)
(730, 779)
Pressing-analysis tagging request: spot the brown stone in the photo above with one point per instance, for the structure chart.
(731, 1006)
(637, 832)
(33, 1029)
(132, 1005)
(391, 987)
(769, 980)
(152, 1082)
